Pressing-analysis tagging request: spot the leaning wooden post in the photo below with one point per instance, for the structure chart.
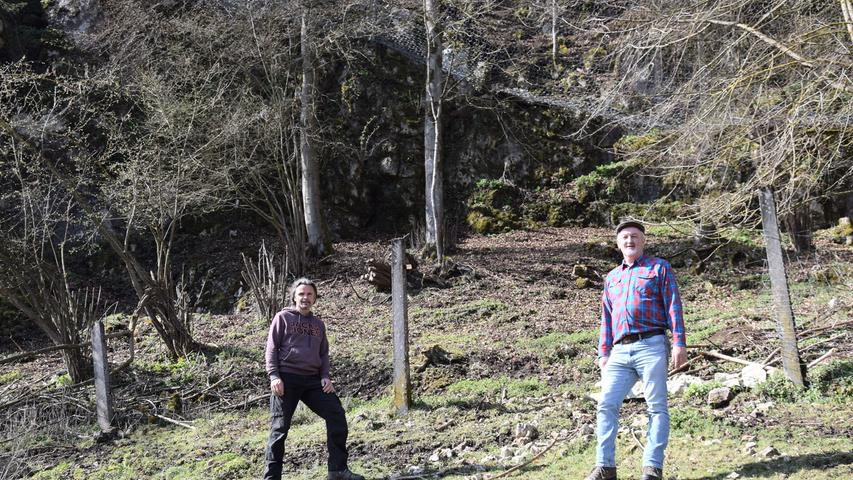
(402, 385)
(103, 393)
(779, 286)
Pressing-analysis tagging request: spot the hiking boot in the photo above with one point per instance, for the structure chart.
(602, 473)
(344, 475)
(652, 473)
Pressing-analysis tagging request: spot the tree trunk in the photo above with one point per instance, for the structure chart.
(554, 35)
(433, 141)
(847, 14)
(310, 165)
(155, 290)
(798, 225)
(78, 363)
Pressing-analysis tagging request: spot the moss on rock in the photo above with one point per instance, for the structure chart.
(494, 207)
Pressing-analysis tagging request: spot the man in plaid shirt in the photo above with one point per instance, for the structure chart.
(639, 303)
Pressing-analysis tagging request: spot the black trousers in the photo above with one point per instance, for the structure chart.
(306, 388)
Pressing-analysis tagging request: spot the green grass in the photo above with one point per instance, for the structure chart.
(700, 390)
(477, 310)
(223, 446)
(491, 387)
(828, 383)
(560, 345)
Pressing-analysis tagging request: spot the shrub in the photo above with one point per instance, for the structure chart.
(700, 390)
(778, 388)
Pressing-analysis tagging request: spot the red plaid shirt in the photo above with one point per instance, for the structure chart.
(640, 298)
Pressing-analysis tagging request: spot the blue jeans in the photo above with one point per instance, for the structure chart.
(646, 359)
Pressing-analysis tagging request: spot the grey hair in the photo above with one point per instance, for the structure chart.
(298, 283)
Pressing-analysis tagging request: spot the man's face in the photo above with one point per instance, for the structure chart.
(631, 241)
(304, 297)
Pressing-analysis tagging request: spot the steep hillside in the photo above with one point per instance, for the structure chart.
(512, 338)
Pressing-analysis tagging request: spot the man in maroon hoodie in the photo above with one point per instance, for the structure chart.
(297, 361)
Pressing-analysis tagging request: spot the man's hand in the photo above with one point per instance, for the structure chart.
(602, 361)
(679, 357)
(327, 385)
(277, 387)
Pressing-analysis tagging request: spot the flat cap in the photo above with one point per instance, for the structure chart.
(630, 223)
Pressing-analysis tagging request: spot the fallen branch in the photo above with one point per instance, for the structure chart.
(198, 394)
(249, 401)
(772, 354)
(716, 354)
(806, 349)
(445, 425)
(681, 368)
(176, 422)
(636, 439)
(768, 40)
(827, 327)
(353, 289)
(54, 348)
(821, 358)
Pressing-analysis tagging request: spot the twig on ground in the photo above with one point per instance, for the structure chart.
(821, 358)
(202, 392)
(716, 354)
(519, 467)
(176, 422)
(53, 348)
(249, 401)
(681, 368)
(639, 443)
(353, 288)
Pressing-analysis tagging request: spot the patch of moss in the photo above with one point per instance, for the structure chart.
(10, 377)
(839, 233)
(494, 207)
(63, 470)
(833, 381)
(635, 143)
(604, 182)
(594, 58)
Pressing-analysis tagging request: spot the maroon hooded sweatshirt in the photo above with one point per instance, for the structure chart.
(297, 344)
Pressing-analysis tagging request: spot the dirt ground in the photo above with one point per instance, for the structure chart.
(518, 332)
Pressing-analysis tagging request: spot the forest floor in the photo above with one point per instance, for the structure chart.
(516, 339)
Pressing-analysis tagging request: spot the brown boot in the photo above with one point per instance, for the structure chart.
(652, 473)
(602, 473)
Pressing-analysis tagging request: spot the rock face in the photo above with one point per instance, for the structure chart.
(74, 17)
(376, 106)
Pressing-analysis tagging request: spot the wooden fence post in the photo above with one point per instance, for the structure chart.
(779, 286)
(402, 384)
(103, 394)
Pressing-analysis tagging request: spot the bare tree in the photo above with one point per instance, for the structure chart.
(433, 141)
(262, 168)
(311, 203)
(748, 95)
(35, 219)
